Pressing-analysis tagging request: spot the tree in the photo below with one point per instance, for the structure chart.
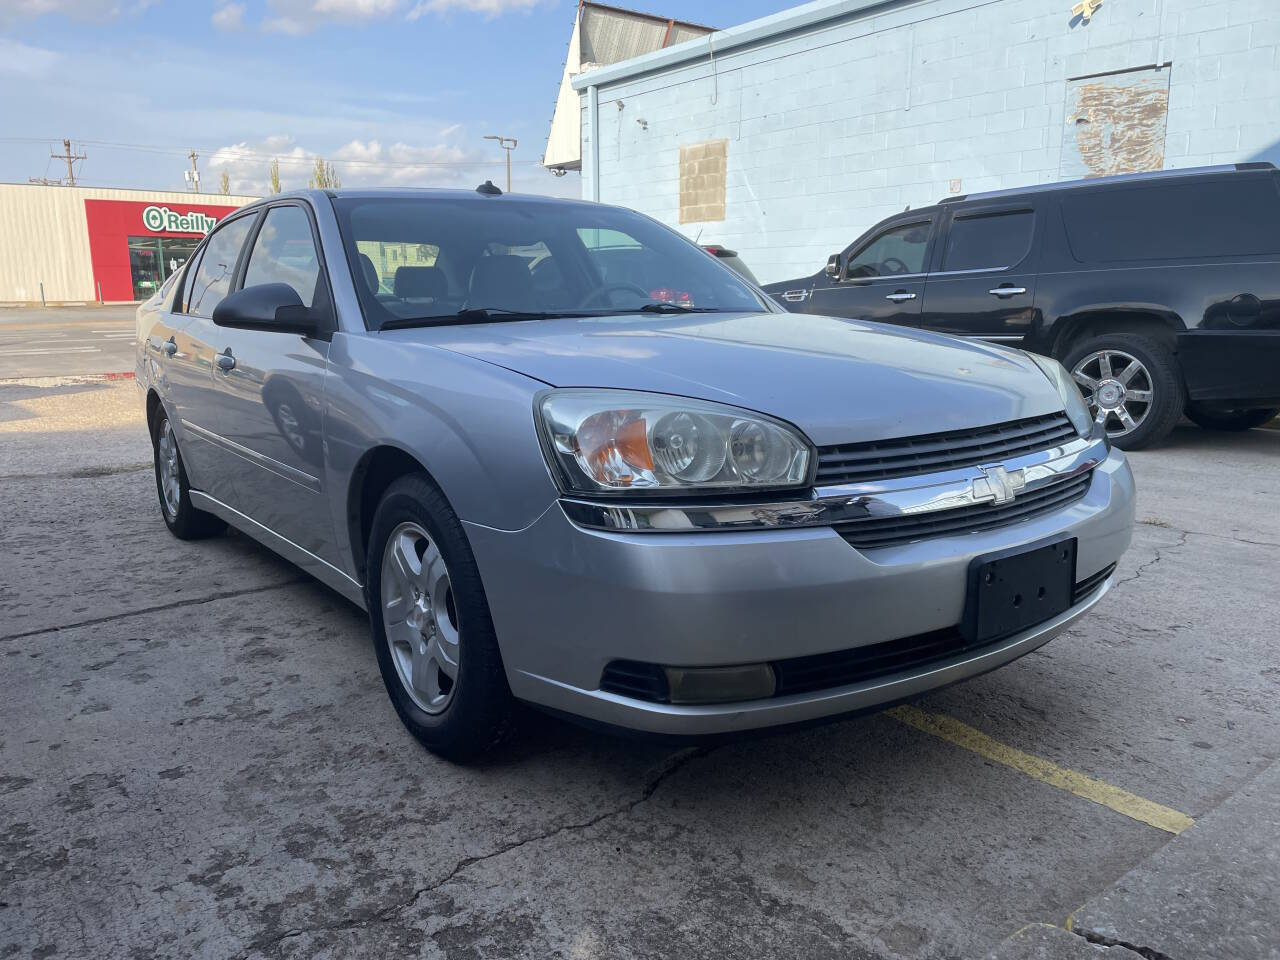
(273, 177)
(226, 183)
(325, 176)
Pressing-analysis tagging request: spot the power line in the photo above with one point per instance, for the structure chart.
(70, 159)
(232, 154)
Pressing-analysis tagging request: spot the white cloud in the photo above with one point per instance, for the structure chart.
(16, 10)
(490, 8)
(303, 16)
(22, 60)
(229, 17)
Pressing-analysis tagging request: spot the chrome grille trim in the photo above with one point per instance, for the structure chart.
(936, 452)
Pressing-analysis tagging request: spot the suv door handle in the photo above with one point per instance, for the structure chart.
(225, 360)
(1003, 292)
(900, 296)
(794, 296)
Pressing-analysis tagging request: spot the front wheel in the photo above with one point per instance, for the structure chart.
(432, 631)
(1218, 418)
(1133, 383)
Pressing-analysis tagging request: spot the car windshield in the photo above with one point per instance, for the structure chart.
(432, 258)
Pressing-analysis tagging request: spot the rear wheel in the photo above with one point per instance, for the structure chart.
(432, 631)
(1134, 382)
(1219, 418)
(183, 520)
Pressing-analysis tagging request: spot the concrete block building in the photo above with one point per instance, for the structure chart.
(786, 137)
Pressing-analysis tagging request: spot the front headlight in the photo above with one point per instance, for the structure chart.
(1072, 400)
(614, 441)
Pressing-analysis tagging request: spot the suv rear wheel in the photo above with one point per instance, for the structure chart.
(1133, 379)
(1219, 418)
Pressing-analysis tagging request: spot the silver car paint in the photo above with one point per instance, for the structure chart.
(460, 401)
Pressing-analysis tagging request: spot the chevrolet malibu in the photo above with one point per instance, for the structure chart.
(562, 456)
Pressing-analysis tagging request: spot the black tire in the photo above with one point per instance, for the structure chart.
(480, 709)
(184, 521)
(1168, 394)
(1226, 419)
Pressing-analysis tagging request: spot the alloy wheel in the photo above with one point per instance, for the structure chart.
(170, 475)
(419, 617)
(1116, 384)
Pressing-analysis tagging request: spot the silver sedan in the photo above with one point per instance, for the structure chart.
(563, 456)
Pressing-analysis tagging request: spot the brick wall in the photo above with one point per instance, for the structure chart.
(829, 130)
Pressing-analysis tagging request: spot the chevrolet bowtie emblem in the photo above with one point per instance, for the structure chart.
(998, 484)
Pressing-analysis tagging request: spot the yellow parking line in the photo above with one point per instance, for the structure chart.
(1121, 801)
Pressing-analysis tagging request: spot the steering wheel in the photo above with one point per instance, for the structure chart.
(890, 261)
(606, 288)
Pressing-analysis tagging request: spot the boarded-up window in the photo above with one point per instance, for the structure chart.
(703, 168)
(1115, 124)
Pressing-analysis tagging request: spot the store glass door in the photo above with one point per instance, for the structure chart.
(152, 260)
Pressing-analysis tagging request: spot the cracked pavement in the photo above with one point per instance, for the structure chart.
(199, 760)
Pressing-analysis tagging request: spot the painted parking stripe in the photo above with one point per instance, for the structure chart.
(1114, 798)
(41, 353)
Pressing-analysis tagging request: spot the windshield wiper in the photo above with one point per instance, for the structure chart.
(663, 306)
(480, 315)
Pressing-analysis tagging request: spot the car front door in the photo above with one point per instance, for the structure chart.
(189, 367)
(984, 283)
(882, 278)
(268, 413)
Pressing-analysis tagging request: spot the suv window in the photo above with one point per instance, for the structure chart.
(217, 267)
(285, 252)
(991, 241)
(898, 250)
(1234, 216)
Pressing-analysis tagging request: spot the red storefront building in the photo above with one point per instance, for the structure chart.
(77, 244)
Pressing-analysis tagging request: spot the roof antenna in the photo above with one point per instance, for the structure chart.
(488, 189)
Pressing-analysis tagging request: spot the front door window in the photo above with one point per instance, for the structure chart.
(898, 250)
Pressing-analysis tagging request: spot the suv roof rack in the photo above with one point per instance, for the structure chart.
(1118, 178)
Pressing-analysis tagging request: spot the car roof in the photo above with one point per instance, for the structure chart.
(419, 193)
(1102, 181)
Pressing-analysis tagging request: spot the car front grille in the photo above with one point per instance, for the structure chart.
(936, 452)
(891, 531)
(1091, 583)
(824, 671)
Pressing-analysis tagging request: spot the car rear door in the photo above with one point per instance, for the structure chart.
(985, 276)
(268, 410)
(190, 351)
(883, 277)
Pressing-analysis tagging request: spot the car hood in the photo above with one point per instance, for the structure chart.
(840, 381)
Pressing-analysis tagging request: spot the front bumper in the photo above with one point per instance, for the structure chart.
(566, 601)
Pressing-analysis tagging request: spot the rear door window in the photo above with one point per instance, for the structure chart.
(1231, 216)
(218, 266)
(990, 241)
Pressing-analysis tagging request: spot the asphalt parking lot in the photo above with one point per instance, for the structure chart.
(197, 759)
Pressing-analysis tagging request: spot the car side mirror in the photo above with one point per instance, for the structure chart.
(835, 266)
(268, 306)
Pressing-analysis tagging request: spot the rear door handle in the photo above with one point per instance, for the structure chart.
(170, 346)
(1003, 292)
(900, 296)
(225, 360)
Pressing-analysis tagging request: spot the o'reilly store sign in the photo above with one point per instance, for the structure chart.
(163, 220)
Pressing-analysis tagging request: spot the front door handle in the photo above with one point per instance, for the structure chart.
(225, 360)
(794, 296)
(1003, 292)
(900, 296)
(171, 346)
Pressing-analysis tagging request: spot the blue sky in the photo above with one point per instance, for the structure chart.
(406, 87)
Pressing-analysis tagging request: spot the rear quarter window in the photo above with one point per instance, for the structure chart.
(1237, 216)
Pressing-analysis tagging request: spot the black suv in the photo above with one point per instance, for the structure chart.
(1160, 292)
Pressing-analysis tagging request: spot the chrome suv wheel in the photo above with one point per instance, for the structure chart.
(419, 617)
(1116, 383)
(1132, 382)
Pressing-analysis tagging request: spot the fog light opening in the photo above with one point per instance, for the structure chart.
(752, 681)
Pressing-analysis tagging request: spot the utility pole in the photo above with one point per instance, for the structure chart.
(508, 144)
(70, 159)
(192, 176)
